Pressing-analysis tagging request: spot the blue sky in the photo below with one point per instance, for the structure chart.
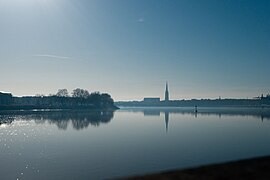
(204, 49)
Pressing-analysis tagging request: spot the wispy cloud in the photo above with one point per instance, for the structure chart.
(141, 20)
(52, 56)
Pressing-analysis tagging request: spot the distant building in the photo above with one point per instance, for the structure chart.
(151, 100)
(5, 98)
(166, 93)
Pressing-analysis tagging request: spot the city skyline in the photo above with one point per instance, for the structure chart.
(204, 49)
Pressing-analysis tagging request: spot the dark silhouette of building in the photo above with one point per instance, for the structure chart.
(5, 98)
(166, 93)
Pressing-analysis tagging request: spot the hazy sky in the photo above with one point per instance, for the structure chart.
(129, 48)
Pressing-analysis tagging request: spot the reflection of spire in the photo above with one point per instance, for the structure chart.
(167, 121)
(196, 111)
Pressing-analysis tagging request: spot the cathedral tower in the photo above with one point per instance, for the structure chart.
(166, 93)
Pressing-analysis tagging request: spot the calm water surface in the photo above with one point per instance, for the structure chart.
(85, 145)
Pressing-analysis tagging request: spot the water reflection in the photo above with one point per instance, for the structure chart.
(78, 119)
(44, 152)
(6, 120)
(262, 113)
(82, 119)
(167, 120)
(258, 113)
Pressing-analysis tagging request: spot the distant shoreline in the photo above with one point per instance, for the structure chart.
(258, 102)
(31, 107)
(220, 106)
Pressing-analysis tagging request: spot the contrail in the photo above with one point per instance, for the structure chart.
(51, 56)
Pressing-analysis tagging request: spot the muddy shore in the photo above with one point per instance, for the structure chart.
(257, 168)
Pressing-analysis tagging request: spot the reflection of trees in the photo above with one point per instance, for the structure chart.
(78, 119)
(61, 124)
(6, 119)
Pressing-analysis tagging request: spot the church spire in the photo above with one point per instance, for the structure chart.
(166, 93)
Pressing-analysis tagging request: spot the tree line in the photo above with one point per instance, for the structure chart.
(79, 98)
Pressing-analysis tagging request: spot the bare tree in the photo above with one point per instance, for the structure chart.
(80, 93)
(62, 93)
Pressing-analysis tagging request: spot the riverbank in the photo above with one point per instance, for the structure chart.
(33, 107)
(262, 102)
(256, 168)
